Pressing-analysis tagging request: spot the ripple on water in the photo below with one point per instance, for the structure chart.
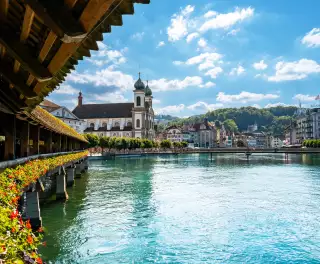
(190, 209)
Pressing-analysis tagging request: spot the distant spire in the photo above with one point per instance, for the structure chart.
(80, 99)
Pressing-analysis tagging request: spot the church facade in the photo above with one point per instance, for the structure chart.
(134, 120)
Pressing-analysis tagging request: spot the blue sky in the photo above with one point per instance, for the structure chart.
(201, 55)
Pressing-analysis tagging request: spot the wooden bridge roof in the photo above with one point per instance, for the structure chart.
(41, 42)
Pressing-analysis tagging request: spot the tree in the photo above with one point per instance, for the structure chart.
(184, 144)
(176, 145)
(104, 143)
(230, 125)
(92, 139)
(166, 144)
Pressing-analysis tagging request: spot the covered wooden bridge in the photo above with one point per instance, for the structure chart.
(41, 42)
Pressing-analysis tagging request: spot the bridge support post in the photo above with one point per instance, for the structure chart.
(86, 164)
(78, 170)
(33, 210)
(70, 176)
(61, 191)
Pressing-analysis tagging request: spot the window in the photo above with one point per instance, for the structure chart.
(129, 124)
(92, 125)
(138, 123)
(138, 101)
(116, 124)
(104, 124)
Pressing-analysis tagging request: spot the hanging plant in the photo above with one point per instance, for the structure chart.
(18, 243)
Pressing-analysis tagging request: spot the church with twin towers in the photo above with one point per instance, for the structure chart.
(135, 119)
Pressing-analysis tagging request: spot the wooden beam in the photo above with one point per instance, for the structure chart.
(4, 6)
(70, 3)
(25, 31)
(59, 19)
(93, 12)
(22, 54)
(16, 80)
(44, 51)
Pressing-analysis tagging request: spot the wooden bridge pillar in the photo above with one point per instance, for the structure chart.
(33, 210)
(70, 176)
(61, 191)
(78, 170)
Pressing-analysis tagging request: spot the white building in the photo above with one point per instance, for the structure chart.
(174, 134)
(65, 115)
(120, 119)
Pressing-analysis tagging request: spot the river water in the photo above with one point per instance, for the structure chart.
(189, 209)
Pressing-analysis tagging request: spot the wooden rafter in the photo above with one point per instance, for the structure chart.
(25, 31)
(44, 51)
(22, 54)
(4, 6)
(93, 12)
(14, 79)
(59, 19)
(70, 3)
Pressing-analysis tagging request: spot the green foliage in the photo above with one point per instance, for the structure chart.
(166, 144)
(184, 144)
(92, 139)
(311, 143)
(272, 119)
(177, 145)
(104, 142)
(230, 125)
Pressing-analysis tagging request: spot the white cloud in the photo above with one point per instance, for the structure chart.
(66, 89)
(138, 36)
(115, 97)
(192, 36)
(156, 101)
(312, 39)
(207, 85)
(206, 65)
(106, 55)
(237, 71)
(202, 43)
(256, 106)
(233, 32)
(244, 97)
(275, 105)
(172, 85)
(261, 65)
(178, 62)
(210, 14)
(213, 73)
(304, 97)
(161, 43)
(204, 106)
(225, 21)
(106, 77)
(297, 70)
(171, 109)
(179, 24)
(204, 58)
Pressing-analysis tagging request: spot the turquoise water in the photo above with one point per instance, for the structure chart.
(189, 209)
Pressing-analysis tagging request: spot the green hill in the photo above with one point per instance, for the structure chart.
(273, 119)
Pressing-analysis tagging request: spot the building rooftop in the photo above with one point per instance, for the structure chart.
(92, 111)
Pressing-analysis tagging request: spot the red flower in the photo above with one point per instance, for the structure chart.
(40, 230)
(28, 224)
(14, 215)
(13, 230)
(30, 239)
(44, 243)
(39, 261)
(3, 248)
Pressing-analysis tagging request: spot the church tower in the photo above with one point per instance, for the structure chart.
(139, 111)
(150, 133)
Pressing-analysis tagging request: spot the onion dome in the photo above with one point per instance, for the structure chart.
(139, 85)
(147, 90)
